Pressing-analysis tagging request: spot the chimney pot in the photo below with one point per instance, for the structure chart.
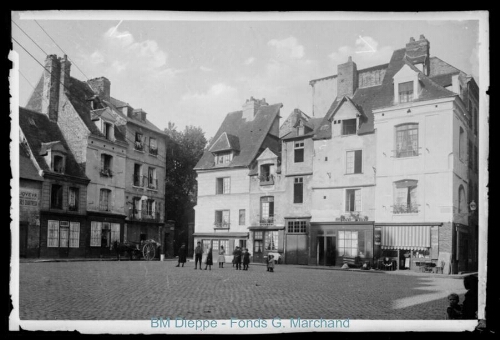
(412, 39)
(422, 37)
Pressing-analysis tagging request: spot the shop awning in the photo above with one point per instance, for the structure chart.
(406, 237)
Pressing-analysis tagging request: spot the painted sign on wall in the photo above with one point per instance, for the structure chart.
(28, 197)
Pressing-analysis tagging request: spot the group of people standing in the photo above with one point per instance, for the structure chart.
(239, 257)
(240, 254)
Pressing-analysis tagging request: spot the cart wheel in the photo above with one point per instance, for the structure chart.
(148, 251)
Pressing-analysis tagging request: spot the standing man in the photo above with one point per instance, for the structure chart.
(198, 253)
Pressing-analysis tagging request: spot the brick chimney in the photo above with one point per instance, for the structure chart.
(347, 79)
(101, 87)
(50, 95)
(65, 72)
(417, 52)
(251, 106)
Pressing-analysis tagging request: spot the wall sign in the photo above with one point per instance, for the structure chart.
(28, 197)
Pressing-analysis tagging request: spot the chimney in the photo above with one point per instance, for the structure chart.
(140, 114)
(65, 72)
(101, 87)
(417, 52)
(50, 95)
(251, 107)
(347, 79)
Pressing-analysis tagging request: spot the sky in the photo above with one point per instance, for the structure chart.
(193, 69)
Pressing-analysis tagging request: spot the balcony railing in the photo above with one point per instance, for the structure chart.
(221, 224)
(152, 183)
(267, 222)
(405, 209)
(138, 215)
(266, 179)
(153, 151)
(139, 146)
(106, 172)
(104, 207)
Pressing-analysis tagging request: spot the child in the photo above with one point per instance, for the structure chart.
(246, 259)
(454, 310)
(270, 263)
(237, 258)
(209, 261)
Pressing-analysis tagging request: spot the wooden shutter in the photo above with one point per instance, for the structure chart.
(358, 159)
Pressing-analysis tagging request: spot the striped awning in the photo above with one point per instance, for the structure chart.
(406, 237)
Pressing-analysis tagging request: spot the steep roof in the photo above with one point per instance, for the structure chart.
(27, 169)
(44, 132)
(312, 123)
(225, 142)
(250, 134)
(116, 104)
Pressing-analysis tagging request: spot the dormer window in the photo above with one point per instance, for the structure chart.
(223, 157)
(139, 141)
(405, 91)
(58, 164)
(107, 130)
(349, 127)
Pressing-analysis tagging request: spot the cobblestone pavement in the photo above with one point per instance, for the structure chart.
(140, 290)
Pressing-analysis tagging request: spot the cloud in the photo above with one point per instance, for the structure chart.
(205, 69)
(249, 61)
(118, 66)
(365, 53)
(96, 58)
(287, 48)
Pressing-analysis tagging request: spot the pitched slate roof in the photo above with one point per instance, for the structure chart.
(250, 134)
(46, 132)
(312, 123)
(225, 142)
(116, 104)
(27, 170)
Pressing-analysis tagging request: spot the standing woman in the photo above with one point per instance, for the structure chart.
(182, 255)
(209, 261)
(222, 258)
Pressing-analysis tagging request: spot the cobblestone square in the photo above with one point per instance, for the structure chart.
(140, 290)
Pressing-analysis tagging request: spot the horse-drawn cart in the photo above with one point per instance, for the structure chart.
(135, 250)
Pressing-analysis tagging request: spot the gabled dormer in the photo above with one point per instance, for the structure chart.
(302, 126)
(105, 120)
(55, 155)
(267, 164)
(346, 118)
(406, 85)
(224, 149)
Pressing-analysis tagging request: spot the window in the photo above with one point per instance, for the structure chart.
(298, 156)
(348, 243)
(349, 127)
(242, 217)
(266, 177)
(150, 208)
(115, 232)
(258, 235)
(298, 190)
(153, 148)
(152, 180)
(223, 185)
(407, 140)
(223, 157)
(73, 196)
(354, 162)
(53, 234)
(461, 144)
(136, 207)
(405, 197)
(471, 156)
(56, 196)
(74, 234)
(267, 210)
(297, 227)
(107, 130)
(222, 219)
(462, 204)
(58, 165)
(271, 240)
(95, 233)
(106, 165)
(104, 199)
(405, 92)
(139, 142)
(353, 200)
(137, 180)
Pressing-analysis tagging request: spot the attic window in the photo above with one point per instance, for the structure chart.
(107, 130)
(405, 91)
(349, 127)
(58, 164)
(223, 157)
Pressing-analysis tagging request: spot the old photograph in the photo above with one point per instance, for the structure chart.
(248, 172)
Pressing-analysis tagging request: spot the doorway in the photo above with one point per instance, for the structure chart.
(327, 254)
(64, 239)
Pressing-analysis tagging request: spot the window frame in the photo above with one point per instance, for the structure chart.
(56, 198)
(347, 170)
(267, 201)
(346, 128)
(298, 182)
(242, 217)
(76, 193)
(271, 237)
(221, 223)
(403, 131)
(53, 238)
(298, 151)
(410, 206)
(347, 200)
(297, 226)
(406, 96)
(347, 242)
(74, 234)
(106, 197)
(221, 184)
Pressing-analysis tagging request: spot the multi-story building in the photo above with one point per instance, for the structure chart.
(95, 135)
(225, 173)
(52, 213)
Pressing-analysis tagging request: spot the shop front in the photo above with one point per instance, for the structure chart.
(215, 241)
(332, 243)
(104, 230)
(407, 246)
(266, 240)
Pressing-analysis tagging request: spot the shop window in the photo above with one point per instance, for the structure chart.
(407, 140)
(271, 240)
(348, 243)
(353, 200)
(354, 161)
(297, 227)
(73, 197)
(95, 233)
(53, 234)
(349, 127)
(56, 196)
(223, 185)
(298, 156)
(405, 197)
(298, 190)
(74, 234)
(206, 245)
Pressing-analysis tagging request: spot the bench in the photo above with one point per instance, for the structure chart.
(353, 261)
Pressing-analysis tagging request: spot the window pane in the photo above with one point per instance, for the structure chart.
(358, 161)
(53, 234)
(95, 233)
(299, 155)
(349, 126)
(350, 162)
(74, 234)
